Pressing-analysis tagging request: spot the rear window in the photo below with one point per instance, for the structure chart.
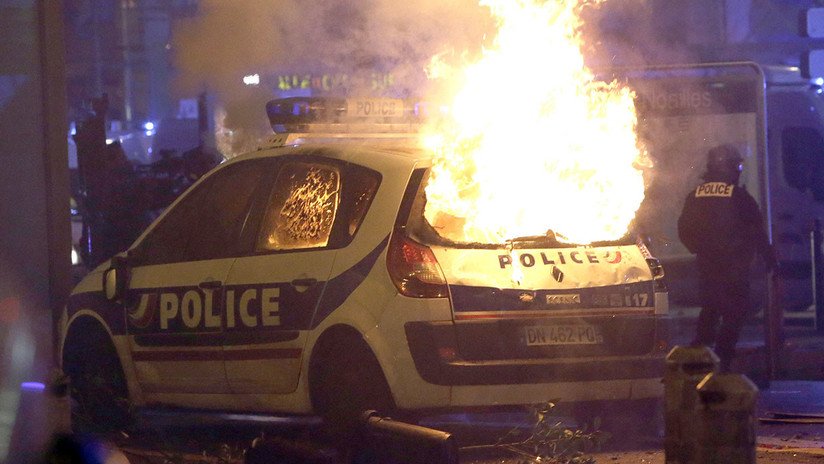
(447, 229)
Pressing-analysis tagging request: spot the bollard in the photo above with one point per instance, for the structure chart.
(386, 441)
(686, 367)
(726, 420)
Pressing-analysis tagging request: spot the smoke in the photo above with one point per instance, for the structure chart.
(387, 47)
(641, 33)
(372, 47)
(378, 46)
(646, 32)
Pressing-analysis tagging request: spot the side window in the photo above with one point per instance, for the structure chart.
(301, 208)
(220, 223)
(166, 242)
(207, 222)
(360, 185)
(803, 156)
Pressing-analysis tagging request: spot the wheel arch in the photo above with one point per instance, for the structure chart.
(339, 338)
(88, 324)
(89, 351)
(83, 326)
(79, 323)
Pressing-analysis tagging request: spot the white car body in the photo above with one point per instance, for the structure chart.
(238, 332)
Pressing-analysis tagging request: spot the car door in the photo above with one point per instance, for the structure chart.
(276, 289)
(176, 311)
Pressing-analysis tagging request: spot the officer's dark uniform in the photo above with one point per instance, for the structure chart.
(722, 225)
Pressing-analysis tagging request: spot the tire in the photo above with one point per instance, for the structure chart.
(345, 381)
(97, 386)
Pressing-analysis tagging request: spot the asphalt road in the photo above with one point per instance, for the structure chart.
(798, 437)
(792, 432)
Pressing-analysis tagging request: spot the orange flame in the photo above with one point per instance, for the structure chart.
(556, 150)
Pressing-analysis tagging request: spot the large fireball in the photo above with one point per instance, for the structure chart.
(532, 142)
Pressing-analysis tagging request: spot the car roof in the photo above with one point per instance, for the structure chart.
(378, 153)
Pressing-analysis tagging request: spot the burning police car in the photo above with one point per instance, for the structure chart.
(306, 278)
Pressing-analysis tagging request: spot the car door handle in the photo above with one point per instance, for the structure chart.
(307, 282)
(210, 284)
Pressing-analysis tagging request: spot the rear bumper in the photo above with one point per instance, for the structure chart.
(437, 361)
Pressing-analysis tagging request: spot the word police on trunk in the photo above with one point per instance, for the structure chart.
(560, 257)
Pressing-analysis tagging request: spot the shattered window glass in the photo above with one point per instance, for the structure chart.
(302, 208)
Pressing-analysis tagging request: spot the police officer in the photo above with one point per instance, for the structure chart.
(722, 224)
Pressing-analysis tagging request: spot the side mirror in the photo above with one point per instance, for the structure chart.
(116, 279)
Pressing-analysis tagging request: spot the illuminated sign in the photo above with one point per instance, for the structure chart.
(328, 82)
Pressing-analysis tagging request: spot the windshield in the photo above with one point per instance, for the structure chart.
(447, 230)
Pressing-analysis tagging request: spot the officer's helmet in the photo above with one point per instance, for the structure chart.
(724, 159)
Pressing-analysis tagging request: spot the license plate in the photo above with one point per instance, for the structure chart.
(568, 334)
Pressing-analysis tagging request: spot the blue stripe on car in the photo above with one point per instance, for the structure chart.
(339, 288)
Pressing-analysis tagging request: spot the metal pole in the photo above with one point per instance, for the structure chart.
(55, 158)
(383, 440)
(818, 277)
(774, 326)
(125, 5)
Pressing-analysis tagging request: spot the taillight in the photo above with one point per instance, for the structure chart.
(657, 274)
(414, 269)
(655, 267)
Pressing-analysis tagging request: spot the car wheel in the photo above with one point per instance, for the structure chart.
(97, 386)
(347, 381)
